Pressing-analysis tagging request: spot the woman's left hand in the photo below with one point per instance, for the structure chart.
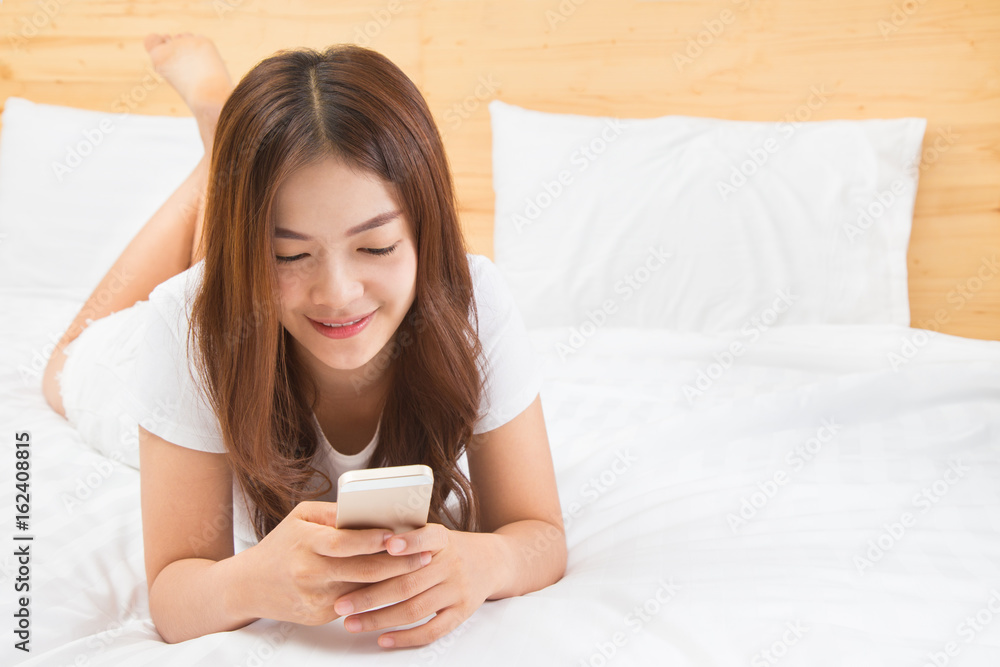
(462, 574)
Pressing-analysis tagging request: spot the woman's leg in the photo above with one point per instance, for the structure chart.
(169, 242)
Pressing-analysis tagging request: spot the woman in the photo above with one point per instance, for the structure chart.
(327, 200)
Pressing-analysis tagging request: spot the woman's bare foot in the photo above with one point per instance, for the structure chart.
(193, 66)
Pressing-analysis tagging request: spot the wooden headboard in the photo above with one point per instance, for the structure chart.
(759, 60)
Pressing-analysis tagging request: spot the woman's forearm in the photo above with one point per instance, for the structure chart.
(195, 596)
(535, 557)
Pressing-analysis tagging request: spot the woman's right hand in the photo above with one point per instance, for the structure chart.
(299, 569)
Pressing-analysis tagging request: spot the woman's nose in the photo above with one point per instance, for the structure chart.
(337, 285)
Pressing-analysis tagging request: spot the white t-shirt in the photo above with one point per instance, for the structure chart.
(169, 403)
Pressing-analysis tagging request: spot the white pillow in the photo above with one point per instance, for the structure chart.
(76, 186)
(703, 224)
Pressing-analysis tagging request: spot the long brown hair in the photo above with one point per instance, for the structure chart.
(291, 109)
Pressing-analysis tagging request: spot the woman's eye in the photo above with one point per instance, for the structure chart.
(372, 251)
(382, 251)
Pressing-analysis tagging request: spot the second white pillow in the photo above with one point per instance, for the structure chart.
(703, 224)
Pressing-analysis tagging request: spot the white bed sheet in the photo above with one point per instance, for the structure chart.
(647, 477)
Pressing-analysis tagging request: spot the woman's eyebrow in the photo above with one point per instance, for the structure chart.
(377, 221)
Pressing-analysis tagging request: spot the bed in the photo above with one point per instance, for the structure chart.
(761, 459)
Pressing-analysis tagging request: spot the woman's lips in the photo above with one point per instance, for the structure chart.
(343, 331)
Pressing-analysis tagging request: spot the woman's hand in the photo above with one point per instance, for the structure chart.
(299, 569)
(460, 577)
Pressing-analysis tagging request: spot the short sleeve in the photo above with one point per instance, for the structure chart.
(167, 396)
(513, 377)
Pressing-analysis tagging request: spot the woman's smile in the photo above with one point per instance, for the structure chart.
(344, 330)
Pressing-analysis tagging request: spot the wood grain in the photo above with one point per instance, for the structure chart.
(744, 60)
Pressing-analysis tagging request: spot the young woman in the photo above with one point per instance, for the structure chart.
(325, 317)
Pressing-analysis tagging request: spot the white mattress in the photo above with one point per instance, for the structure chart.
(647, 479)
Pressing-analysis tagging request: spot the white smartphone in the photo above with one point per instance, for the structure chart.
(395, 497)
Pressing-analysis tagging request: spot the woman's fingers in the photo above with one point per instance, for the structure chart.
(403, 587)
(431, 631)
(328, 540)
(432, 537)
(317, 511)
(376, 568)
(344, 542)
(402, 613)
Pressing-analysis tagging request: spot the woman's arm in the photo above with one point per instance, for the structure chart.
(191, 597)
(295, 573)
(511, 468)
(187, 527)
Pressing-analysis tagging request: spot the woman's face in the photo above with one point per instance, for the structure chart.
(344, 251)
